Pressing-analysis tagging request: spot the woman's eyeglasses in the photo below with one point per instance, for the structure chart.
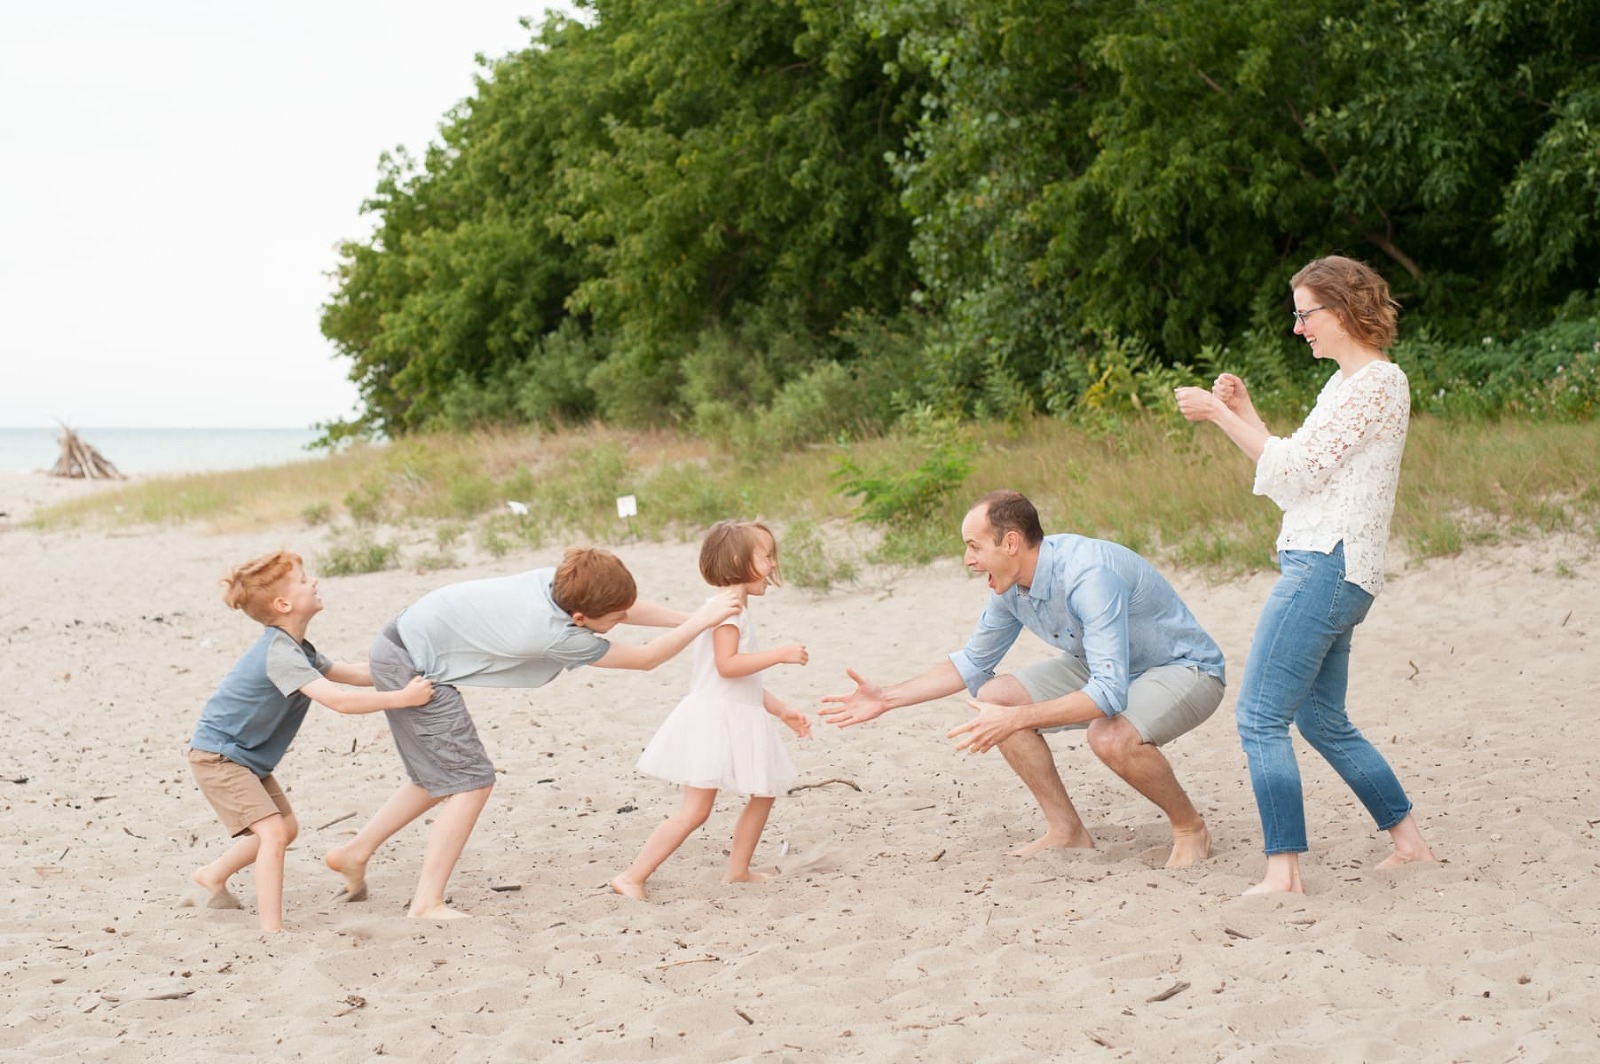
(1301, 315)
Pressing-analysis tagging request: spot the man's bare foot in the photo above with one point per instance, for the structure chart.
(354, 872)
(628, 889)
(1081, 840)
(748, 877)
(1189, 847)
(437, 911)
(218, 896)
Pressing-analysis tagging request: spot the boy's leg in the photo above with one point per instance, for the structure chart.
(746, 833)
(241, 800)
(274, 834)
(350, 860)
(452, 826)
(665, 840)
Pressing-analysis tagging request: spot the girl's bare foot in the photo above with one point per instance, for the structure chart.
(1396, 859)
(354, 873)
(1080, 840)
(747, 876)
(218, 896)
(437, 911)
(628, 889)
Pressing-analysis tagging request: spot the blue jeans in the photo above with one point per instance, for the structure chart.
(1298, 671)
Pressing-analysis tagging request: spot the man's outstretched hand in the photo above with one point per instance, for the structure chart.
(857, 707)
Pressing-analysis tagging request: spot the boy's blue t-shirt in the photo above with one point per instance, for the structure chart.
(258, 707)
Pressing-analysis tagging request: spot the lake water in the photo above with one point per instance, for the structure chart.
(157, 451)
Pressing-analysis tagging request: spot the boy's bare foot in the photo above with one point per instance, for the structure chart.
(354, 872)
(1081, 840)
(218, 896)
(628, 889)
(1189, 847)
(748, 877)
(437, 911)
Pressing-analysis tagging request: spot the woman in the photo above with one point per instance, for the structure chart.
(1335, 480)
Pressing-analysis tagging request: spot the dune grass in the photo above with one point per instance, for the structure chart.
(1169, 490)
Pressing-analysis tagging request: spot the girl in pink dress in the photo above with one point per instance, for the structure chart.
(718, 737)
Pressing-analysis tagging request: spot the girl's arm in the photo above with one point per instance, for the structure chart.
(732, 664)
(344, 700)
(797, 721)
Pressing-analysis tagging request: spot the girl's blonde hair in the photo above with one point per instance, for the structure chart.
(251, 587)
(728, 555)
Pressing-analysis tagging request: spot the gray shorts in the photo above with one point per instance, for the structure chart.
(438, 742)
(1163, 703)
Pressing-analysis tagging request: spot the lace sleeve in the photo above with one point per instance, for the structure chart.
(1345, 419)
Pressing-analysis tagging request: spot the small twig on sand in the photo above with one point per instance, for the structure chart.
(1170, 992)
(807, 786)
(689, 960)
(336, 820)
(741, 1014)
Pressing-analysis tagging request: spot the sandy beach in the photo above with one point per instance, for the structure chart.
(897, 929)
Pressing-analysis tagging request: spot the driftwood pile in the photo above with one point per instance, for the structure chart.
(79, 460)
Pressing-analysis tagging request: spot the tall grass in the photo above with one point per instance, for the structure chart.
(1167, 489)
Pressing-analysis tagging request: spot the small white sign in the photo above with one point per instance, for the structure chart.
(627, 506)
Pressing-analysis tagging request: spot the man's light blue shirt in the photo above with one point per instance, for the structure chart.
(1104, 605)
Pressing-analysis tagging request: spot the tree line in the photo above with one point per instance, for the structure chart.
(817, 216)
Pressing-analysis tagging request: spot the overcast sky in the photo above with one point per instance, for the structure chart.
(174, 179)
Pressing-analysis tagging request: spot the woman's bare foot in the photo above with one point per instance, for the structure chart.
(1080, 840)
(628, 889)
(1408, 845)
(354, 873)
(437, 911)
(747, 876)
(1283, 876)
(218, 896)
(1189, 847)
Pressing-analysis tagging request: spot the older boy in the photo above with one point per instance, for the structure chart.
(249, 722)
(510, 631)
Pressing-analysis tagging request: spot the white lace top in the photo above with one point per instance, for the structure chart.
(1335, 478)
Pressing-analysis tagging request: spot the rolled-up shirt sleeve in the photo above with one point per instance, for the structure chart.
(1100, 600)
(997, 629)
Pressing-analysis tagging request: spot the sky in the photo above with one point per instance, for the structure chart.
(175, 178)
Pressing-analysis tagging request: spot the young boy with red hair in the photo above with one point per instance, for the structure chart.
(252, 717)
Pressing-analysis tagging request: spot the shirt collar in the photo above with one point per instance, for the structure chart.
(1044, 572)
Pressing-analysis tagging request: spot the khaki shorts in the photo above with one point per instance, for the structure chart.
(1163, 703)
(239, 796)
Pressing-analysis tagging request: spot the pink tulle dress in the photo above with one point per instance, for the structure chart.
(720, 736)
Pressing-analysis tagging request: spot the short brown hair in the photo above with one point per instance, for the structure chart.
(1358, 294)
(1010, 511)
(728, 554)
(251, 587)
(593, 582)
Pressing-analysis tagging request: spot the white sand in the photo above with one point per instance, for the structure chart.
(898, 929)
